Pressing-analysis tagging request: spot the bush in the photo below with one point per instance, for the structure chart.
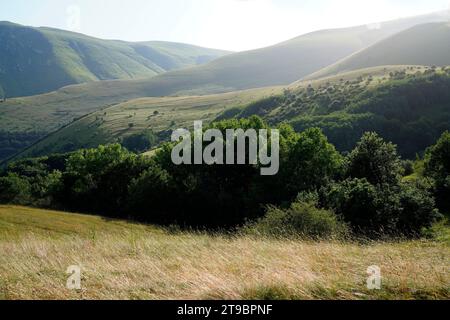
(403, 209)
(357, 201)
(302, 219)
(418, 210)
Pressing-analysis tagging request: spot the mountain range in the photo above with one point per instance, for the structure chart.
(378, 50)
(39, 60)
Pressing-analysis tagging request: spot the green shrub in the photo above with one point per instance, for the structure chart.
(302, 219)
(356, 200)
(402, 209)
(418, 210)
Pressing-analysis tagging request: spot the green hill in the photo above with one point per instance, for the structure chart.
(427, 44)
(282, 63)
(162, 114)
(410, 107)
(38, 60)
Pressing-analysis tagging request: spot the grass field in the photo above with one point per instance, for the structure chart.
(122, 260)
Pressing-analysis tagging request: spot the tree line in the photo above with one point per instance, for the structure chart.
(317, 192)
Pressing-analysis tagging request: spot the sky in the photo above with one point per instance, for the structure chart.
(234, 25)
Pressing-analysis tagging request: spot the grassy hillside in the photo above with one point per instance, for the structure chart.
(37, 60)
(158, 114)
(112, 122)
(410, 107)
(285, 62)
(122, 260)
(426, 44)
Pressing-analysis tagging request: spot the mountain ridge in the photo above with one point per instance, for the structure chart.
(424, 44)
(60, 58)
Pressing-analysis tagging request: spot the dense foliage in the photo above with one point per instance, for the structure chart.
(318, 192)
(437, 167)
(140, 142)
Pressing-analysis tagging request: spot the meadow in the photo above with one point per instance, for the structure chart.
(123, 260)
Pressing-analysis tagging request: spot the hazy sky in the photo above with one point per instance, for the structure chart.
(225, 24)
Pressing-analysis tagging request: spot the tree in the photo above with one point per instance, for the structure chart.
(437, 166)
(140, 142)
(375, 160)
(437, 158)
(152, 197)
(310, 162)
(97, 179)
(14, 189)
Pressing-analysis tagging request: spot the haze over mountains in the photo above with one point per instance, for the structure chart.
(39, 60)
(423, 40)
(58, 58)
(426, 44)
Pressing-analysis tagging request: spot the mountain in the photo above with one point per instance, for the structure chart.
(58, 58)
(282, 63)
(25, 120)
(427, 44)
(38, 60)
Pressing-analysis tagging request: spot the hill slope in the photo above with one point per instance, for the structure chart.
(282, 63)
(162, 114)
(122, 260)
(427, 44)
(25, 120)
(410, 107)
(38, 60)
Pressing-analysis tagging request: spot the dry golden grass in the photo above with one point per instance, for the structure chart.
(129, 261)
